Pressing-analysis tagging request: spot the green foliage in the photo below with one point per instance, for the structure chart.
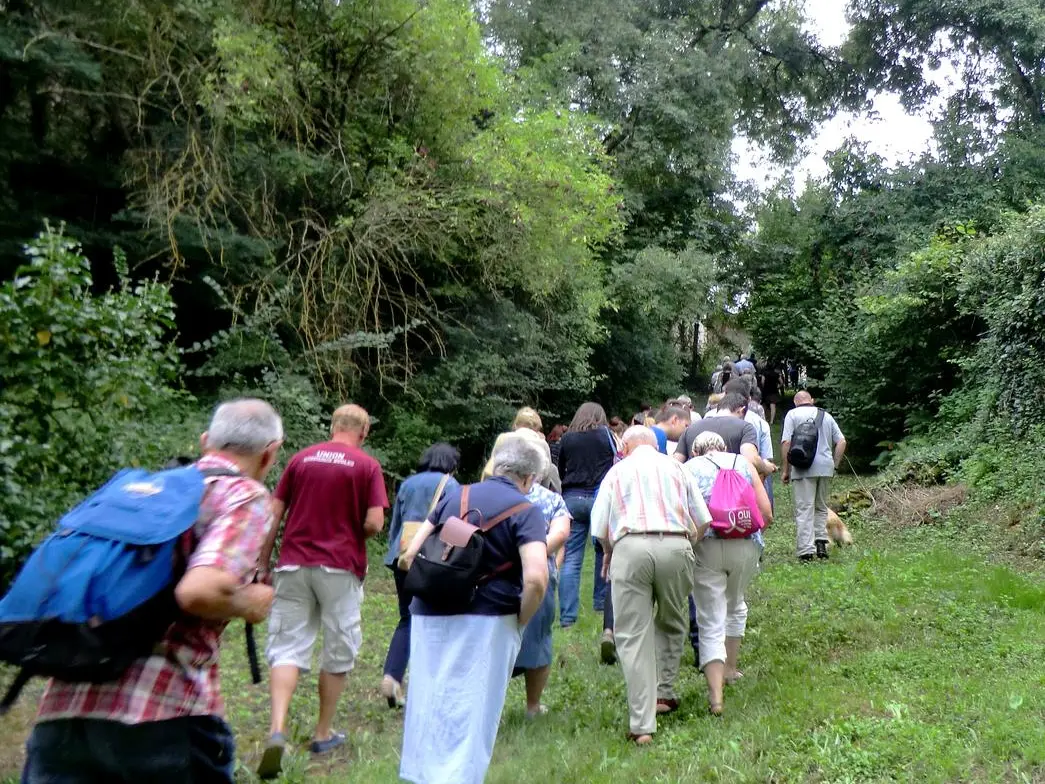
(894, 349)
(895, 45)
(87, 384)
(1005, 283)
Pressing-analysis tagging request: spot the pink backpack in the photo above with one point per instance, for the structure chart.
(733, 506)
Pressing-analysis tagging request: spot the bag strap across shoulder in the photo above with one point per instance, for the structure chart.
(505, 515)
(494, 522)
(819, 419)
(438, 494)
(463, 513)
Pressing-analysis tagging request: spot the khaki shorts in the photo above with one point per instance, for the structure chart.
(308, 597)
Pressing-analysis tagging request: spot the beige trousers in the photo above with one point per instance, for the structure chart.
(651, 579)
(811, 496)
(724, 569)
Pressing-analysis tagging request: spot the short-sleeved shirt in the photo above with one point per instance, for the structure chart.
(734, 431)
(645, 493)
(830, 434)
(500, 595)
(662, 439)
(765, 437)
(183, 679)
(327, 489)
(550, 503)
(413, 500)
(705, 469)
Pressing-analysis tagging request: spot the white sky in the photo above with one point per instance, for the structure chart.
(889, 130)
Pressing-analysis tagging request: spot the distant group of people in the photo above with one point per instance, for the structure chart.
(674, 504)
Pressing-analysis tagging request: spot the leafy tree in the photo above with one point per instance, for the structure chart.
(88, 382)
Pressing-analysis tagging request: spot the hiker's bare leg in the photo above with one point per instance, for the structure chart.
(714, 672)
(732, 656)
(536, 680)
(330, 687)
(282, 682)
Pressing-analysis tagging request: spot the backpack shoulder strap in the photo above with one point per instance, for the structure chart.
(505, 515)
(438, 494)
(465, 509)
(819, 418)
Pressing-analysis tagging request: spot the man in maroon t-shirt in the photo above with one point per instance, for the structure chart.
(333, 495)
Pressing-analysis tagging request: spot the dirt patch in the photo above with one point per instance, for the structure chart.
(912, 505)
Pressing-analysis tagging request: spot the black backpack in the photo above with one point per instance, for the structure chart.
(805, 442)
(448, 569)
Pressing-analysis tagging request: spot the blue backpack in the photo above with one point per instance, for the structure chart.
(99, 592)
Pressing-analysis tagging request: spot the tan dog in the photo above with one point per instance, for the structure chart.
(837, 530)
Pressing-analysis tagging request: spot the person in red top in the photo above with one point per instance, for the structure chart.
(333, 496)
(162, 720)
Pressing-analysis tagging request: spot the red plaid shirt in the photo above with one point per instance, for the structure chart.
(183, 680)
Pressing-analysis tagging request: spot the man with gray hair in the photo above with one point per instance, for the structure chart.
(648, 514)
(333, 495)
(162, 720)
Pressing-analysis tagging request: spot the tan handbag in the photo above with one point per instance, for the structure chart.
(410, 529)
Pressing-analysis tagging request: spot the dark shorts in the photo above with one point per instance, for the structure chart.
(771, 397)
(196, 749)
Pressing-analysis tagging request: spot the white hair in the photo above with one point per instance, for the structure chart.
(638, 435)
(708, 441)
(518, 458)
(246, 426)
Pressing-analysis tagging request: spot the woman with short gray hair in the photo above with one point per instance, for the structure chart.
(456, 694)
(723, 570)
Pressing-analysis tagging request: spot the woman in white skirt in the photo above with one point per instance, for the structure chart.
(723, 570)
(460, 663)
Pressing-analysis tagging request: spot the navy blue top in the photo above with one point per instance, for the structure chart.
(411, 506)
(501, 595)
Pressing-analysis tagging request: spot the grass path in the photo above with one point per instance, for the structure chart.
(904, 658)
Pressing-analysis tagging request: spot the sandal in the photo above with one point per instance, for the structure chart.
(643, 739)
(533, 714)
(665, 707)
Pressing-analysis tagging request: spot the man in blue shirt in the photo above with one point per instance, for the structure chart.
(743, 364)
(672, 422)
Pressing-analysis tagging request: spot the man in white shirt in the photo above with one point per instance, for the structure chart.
(647, 515)
(812, 485)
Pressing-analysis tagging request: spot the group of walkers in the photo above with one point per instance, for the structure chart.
(674, 505)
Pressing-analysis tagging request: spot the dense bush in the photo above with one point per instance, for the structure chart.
(88, 383)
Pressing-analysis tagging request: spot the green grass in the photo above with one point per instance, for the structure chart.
(908, 657)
